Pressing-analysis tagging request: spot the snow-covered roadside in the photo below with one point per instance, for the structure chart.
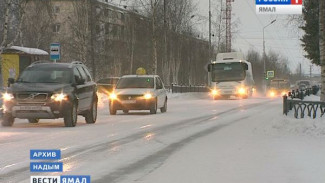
(298, 127)
(312, 98)
(267, 147)
(289, 125)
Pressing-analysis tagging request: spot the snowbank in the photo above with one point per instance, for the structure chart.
(288, 125)
(191, 95)
(312, 98)
(305, 126)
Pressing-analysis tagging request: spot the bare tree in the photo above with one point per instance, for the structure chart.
(9, 6)
(151, 9)
(37, 24)
(7, 16)
(322, 45)
(80, 30)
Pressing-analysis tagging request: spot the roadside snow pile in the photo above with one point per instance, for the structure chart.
(312, 98)
(305, 126)
(281, 124)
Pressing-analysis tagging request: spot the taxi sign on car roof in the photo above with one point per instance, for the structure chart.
(141, 71)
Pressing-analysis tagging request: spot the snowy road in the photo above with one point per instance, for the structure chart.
(197, 140)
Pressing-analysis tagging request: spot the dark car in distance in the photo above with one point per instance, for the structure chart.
(106, 85)
(47, 90)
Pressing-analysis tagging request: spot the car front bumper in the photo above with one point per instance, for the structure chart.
(44, 110)
(139, 104)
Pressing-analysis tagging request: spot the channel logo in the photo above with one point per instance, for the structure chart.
(61, 179)
(44, 163)
(278, 6)
(279, 2)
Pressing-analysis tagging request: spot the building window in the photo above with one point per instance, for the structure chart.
(122, 33)
(122, 17)
(56, 9)
(114, 31)
(98, 10)
(56, 28)
(97, 28)
(107, 28)
(106, 12)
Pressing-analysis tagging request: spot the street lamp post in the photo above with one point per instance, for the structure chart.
(264, 54)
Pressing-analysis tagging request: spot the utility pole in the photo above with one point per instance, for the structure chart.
(209, 30)
(228, 24)
(264, 54)
(165, 39)
(310, 70)
(219, 29)
(300, 73)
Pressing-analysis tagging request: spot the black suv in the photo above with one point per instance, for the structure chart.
(47, 90)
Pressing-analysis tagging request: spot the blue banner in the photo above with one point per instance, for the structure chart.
(46, 167)
(41, 154)
(273, 2)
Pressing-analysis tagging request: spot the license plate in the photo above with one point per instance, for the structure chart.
(128, 101)
(30, 108)
(228, 92)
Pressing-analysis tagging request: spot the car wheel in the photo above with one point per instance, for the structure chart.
(112, 111)
(91, 115)
(153, 109)
(70, 117)
(7, 119)
(126, 111)
(164, 109)
(33, 120)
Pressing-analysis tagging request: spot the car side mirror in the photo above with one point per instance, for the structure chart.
(245, 66)
(209, 67)
(80, 81)
(11, 81)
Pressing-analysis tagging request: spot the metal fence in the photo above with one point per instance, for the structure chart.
(187, 89)
(301, 108)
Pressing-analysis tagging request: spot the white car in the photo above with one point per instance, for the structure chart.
(138, 92)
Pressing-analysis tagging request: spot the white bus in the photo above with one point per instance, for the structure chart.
(230, 75)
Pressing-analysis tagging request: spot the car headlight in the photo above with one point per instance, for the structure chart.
(113, 96)
(59, 97)
(7, 96)
(242, 91)
(272, 94)
(147, 96)
(214, 92)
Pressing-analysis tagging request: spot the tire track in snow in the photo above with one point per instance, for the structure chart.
(83, 151)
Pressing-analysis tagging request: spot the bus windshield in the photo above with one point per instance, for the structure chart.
(280, 84)
(233, 71)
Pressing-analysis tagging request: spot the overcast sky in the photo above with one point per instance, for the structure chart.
(278, 37)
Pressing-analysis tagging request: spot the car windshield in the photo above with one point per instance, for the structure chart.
(108, 81)
(45, 75)
(307, 83)
(228, 72)
(136, 82)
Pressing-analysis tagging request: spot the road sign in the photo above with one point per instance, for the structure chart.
(55, 51)
(270, 74)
